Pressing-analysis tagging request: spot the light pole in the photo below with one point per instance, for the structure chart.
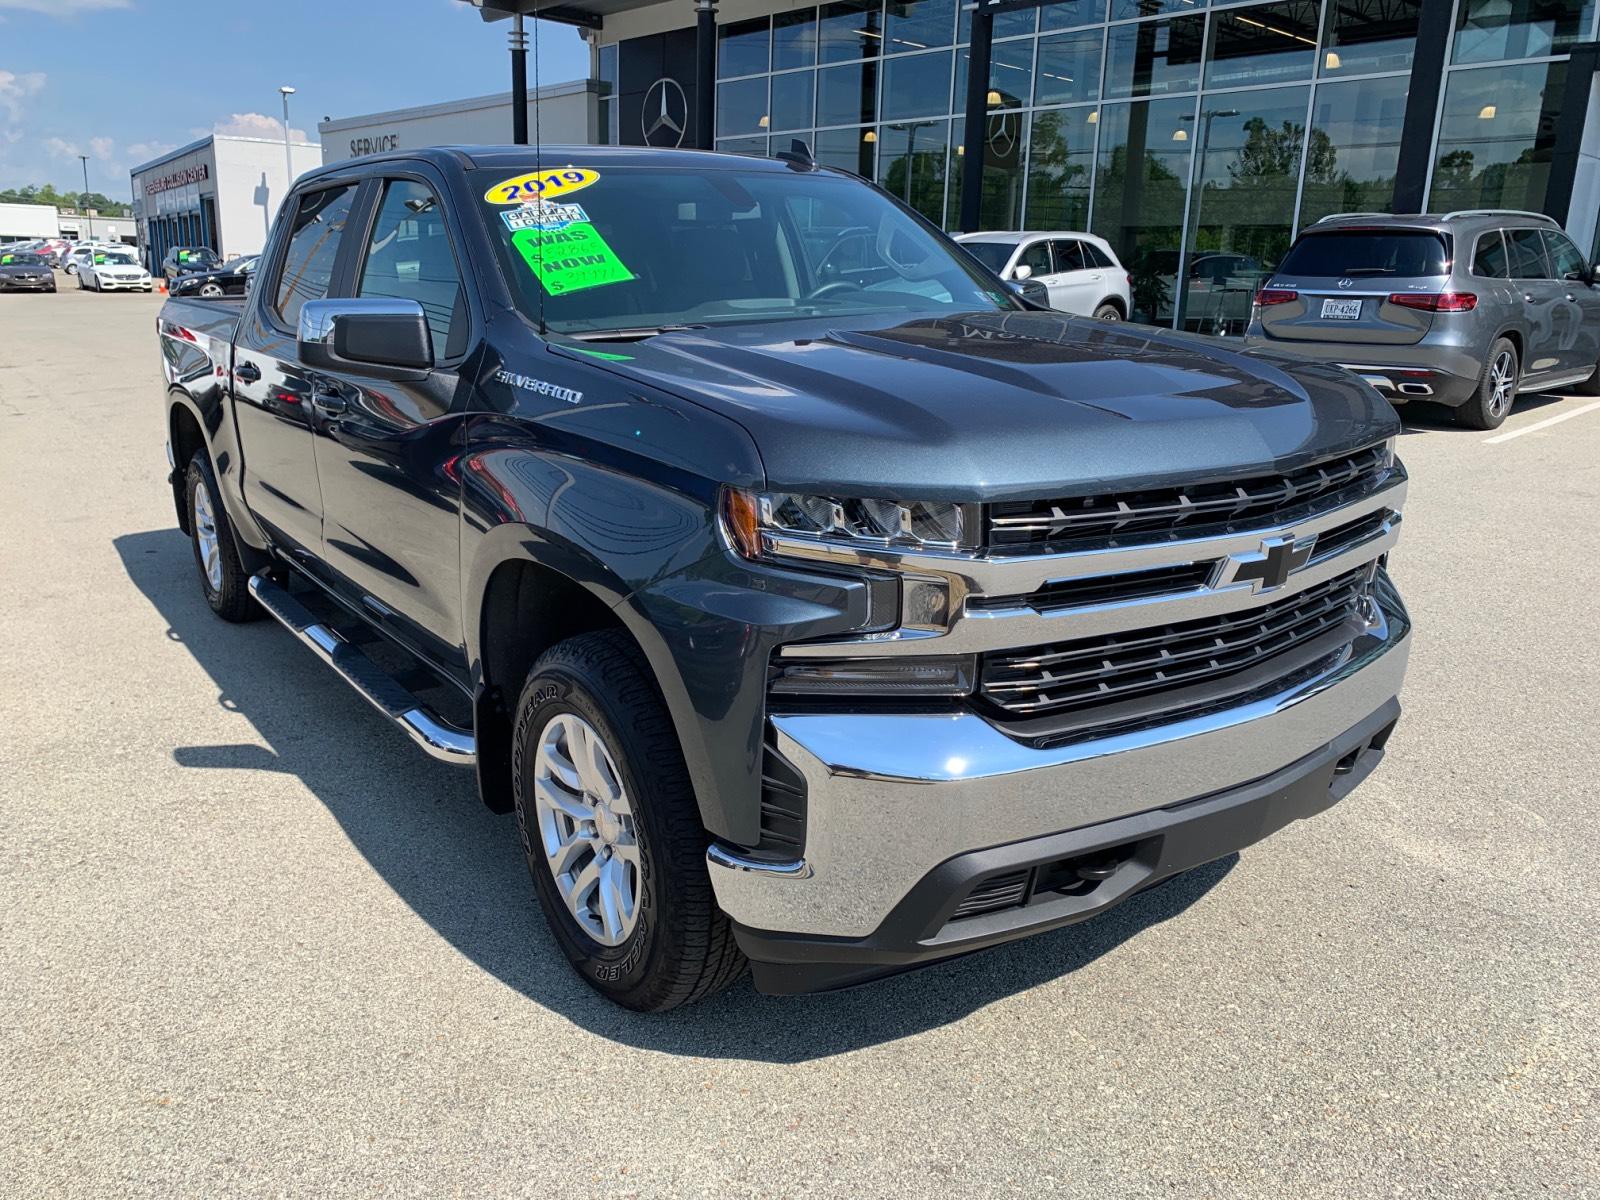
(1207, 116)
(288, 158)
(83, 201)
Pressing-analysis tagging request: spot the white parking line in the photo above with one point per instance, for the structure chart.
(1544, 424)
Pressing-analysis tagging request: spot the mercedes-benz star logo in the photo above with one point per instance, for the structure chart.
(1347, 283)
(1271, 566)
(664, 114)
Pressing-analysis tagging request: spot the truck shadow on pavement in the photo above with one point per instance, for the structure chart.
(460, 868)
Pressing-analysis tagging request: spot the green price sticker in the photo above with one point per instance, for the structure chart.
(99, 259)
(5, 261)
(569, 259)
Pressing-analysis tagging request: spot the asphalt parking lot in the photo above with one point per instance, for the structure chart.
(252, 943)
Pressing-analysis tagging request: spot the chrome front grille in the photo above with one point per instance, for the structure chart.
(1190, 511)
(1170, 660)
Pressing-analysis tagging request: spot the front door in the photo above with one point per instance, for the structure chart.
(1577, 314)
(272, 392)
(390, 503)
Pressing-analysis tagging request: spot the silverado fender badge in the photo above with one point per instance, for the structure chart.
(528, 383)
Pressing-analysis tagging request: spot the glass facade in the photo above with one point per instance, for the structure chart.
(1198, 139)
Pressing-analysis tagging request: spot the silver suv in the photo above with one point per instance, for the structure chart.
(1466, 310)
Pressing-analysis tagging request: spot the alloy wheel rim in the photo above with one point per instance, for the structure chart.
(205, 534)
(587, 830)
(211, 291)
(1500, 384)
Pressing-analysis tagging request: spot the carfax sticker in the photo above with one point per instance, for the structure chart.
(542, 215)
(541, 185)
(570, 259)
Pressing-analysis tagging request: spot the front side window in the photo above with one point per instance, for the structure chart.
(1069, 256)
(1565, 259)
(319, 220)
(597, 249)
(994, 255)
(409, 258)
(1037, 258)
(1527, 254)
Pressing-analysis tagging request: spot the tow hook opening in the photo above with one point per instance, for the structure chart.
(1080, 875)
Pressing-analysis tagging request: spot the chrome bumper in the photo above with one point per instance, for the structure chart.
(892, 796)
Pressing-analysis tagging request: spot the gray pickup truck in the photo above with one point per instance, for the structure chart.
(816, 604)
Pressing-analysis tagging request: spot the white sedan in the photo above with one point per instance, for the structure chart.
(112, 270)
(1079, 270)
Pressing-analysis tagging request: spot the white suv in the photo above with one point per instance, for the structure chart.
(1079, 270)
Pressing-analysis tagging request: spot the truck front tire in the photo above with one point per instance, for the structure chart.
(611, 830)
(223, 578)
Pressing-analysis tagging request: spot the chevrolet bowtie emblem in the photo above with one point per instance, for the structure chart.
(1271, 566)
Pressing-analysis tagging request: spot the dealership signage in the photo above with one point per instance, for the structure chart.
(376, 144)
(178, 179)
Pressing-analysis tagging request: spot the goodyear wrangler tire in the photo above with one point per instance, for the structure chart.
(611, 830)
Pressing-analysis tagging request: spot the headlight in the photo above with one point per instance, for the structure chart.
(751, 518)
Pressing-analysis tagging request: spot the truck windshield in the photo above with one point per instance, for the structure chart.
(1366, 252)
(642, 248)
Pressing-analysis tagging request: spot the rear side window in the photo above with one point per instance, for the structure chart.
(1362, 252)
(1069, 255)
(313, 246)
(1565, 259)
(1095, 256)
(1527, 254)
(410, 259)
(1490, 259)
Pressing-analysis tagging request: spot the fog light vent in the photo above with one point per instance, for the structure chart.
(1000, 891)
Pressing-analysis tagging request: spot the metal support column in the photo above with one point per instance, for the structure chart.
(1422, 106)
(975, 136)
(705, 74)
(519, 81)
(1569, 130)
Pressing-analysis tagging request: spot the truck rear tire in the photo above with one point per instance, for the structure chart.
(223, 578)
(1491, 401)
(612, 832)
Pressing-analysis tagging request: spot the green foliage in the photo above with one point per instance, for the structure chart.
(33, 193)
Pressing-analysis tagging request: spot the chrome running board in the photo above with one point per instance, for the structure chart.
(438, 738)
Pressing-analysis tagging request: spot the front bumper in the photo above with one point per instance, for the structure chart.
(41, 284)
(908, 814)
(124, 285)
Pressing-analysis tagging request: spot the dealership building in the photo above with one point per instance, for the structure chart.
(220, 191)
(1176, 129)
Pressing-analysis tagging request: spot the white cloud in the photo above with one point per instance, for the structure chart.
(57, 148)
(15, 88)
(102, 148)
(65, 8)
(141, 152)
(258, 125)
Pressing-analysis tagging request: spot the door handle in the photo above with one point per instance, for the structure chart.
(247, 372)
(328, 401)
(1528, 296)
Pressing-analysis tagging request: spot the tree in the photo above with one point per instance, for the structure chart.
(33, 193)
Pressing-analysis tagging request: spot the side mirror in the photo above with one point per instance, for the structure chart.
(385, 338)
(1021, 271)
(1031, 292)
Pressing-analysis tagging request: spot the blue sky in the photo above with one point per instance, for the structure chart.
(125, 80)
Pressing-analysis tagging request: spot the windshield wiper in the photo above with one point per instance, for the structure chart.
(635, 334)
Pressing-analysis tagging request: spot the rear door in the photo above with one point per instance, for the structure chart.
(1344, 277)
(1577, 313)
(272, 392)
(390, 505)
(1081, 283)
(1540, 295)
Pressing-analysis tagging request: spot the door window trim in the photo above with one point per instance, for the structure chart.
(267, 294)
(1477, 250)
(1511, 261)
(379, 181)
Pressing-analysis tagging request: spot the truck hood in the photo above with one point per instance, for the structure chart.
(999, 406)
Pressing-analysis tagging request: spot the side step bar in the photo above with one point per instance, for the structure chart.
(437, 738)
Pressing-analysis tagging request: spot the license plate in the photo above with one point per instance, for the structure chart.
(1341, 310)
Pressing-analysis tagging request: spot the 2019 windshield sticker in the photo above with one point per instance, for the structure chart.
(570, 259)
(543, 215)
(541, 185)
(528, 383)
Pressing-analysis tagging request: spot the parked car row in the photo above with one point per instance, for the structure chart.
(110, 266)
